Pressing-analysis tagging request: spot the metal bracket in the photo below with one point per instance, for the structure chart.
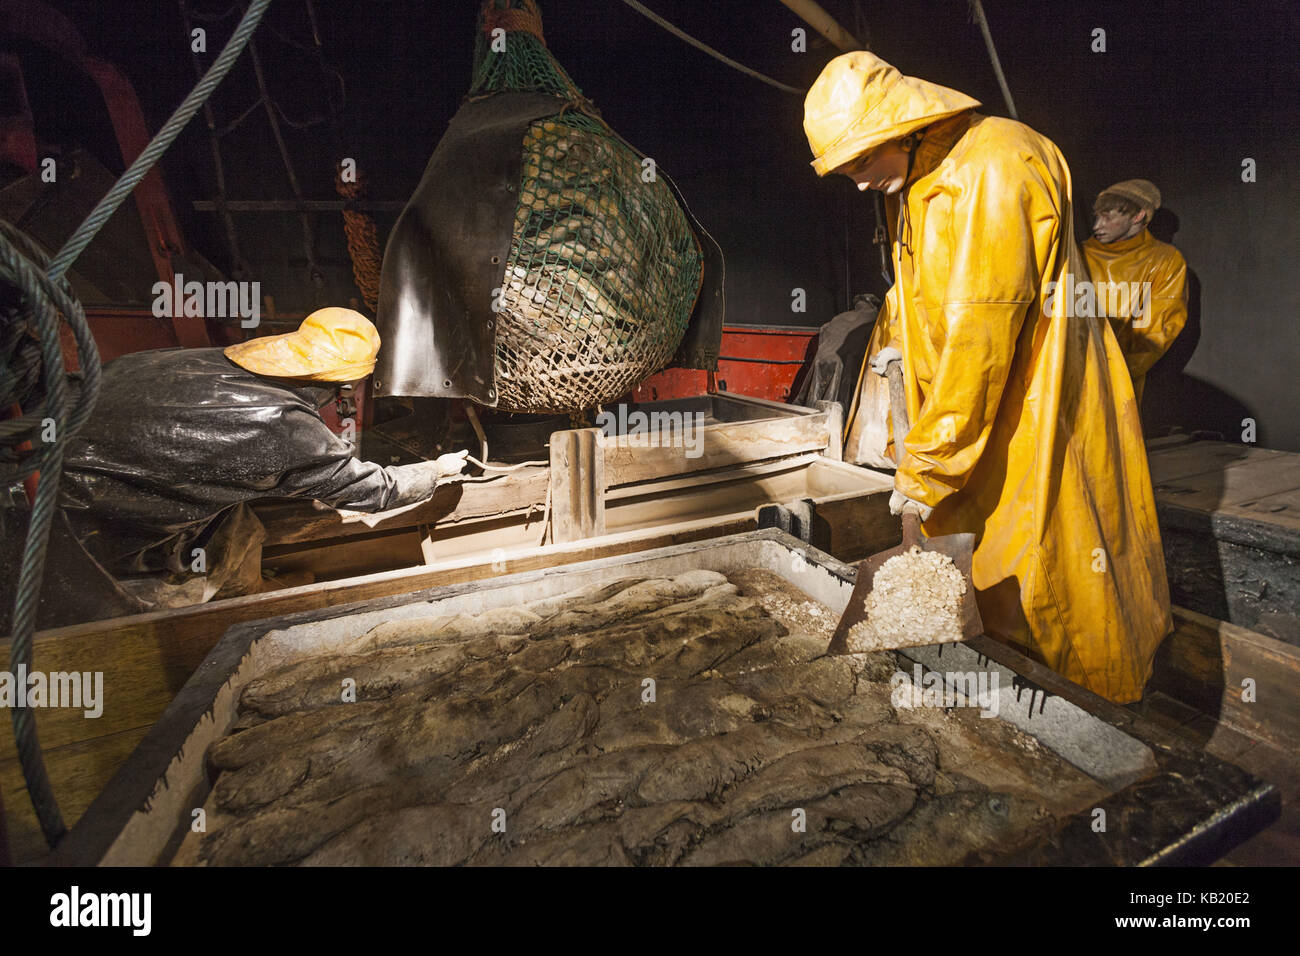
(795, 518)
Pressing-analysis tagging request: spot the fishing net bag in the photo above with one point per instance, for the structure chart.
(604, 268)
(542, 264)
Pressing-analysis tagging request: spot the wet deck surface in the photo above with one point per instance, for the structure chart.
(1255, 492)
(1230, 519)
(1279, 844)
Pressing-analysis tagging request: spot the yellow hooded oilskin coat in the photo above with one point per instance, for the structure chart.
(1125, 267)
(1024, 428)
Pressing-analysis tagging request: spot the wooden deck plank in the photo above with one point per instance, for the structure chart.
(1281, 509)
(1233, 484)
(1198, 458)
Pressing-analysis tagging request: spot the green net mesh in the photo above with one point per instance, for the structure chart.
(524, 65)
(603, 270)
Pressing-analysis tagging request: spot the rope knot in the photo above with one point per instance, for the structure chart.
(512, 20)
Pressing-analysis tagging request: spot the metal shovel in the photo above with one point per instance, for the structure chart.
(959, 547)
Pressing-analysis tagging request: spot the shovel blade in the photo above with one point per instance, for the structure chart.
(959, 547)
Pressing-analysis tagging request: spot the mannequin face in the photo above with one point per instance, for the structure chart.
(883, 168)
(1111, 225)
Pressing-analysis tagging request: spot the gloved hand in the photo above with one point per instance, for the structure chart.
(899, 504)
(417, 482)
(880, 361)
(452, 463)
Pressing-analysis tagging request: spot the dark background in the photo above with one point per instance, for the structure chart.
(1184, 92)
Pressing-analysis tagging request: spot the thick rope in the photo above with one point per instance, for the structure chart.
(363, 240)
(527, 20)
(47, 300)
(22, 259)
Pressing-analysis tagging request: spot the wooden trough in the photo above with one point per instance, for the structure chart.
(1167, 802)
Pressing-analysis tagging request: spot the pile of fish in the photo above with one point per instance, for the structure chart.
(663, 721)
(602, 275)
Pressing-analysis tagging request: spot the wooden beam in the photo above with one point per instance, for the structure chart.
(632, 458)
(426, 544)
(577, 485)
(812, 14)
(835, 429)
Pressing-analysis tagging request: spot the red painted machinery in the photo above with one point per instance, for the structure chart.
(759, 360)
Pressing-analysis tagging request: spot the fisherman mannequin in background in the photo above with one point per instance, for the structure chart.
(1130, 267)
(1024, 428)
(156, 485)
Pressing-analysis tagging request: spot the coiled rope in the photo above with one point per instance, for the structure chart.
(44, 298)
(48, 296)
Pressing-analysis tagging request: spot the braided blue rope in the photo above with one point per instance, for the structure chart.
(49, 296)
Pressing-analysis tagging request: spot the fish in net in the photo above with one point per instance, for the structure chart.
(604, 268)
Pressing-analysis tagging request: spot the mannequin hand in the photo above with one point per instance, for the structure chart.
(451, 464)
(880, 361)
(899, 504)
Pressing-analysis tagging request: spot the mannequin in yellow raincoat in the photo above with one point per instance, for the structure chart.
(1024, 427)
(1140, 283)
